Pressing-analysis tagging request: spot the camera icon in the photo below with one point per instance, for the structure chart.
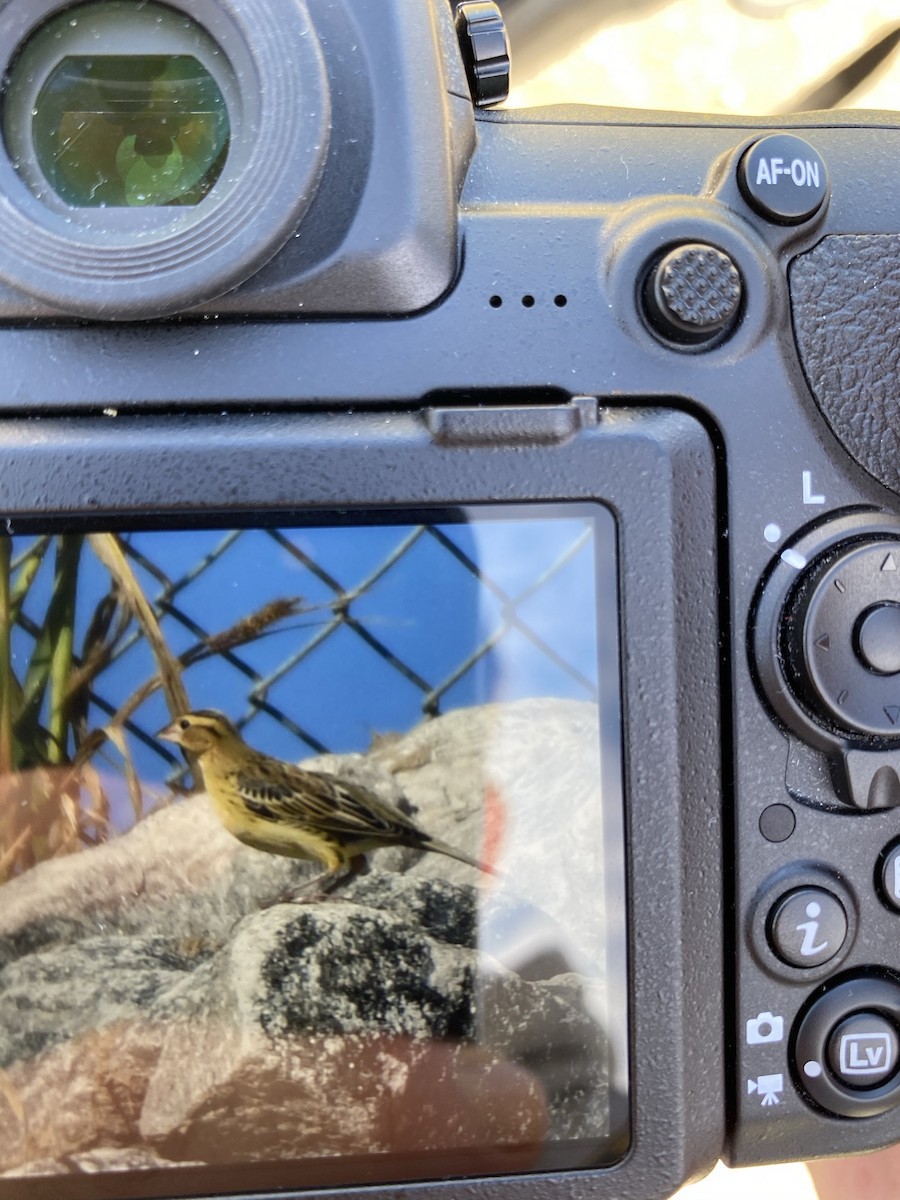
(765, 1028)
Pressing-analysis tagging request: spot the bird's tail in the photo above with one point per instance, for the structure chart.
(439, 847)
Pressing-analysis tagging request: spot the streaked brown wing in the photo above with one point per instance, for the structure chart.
(325, 804)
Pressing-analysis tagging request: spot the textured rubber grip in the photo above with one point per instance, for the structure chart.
(845, 296)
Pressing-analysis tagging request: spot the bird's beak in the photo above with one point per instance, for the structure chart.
(171, 733)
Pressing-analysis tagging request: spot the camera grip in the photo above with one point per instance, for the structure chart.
(845, 295)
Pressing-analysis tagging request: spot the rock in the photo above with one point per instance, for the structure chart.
(94, 1162)
(315, 1003)
(158, 1004)
(77, 1096)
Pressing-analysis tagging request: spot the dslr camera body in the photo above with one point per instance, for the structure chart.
(307, 280)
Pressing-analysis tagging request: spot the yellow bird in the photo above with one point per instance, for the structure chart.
(282, 809)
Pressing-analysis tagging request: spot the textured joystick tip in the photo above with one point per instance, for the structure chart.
(693, 294)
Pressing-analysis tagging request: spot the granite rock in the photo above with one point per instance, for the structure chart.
(160, 1001)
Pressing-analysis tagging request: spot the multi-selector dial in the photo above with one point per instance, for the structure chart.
(827, 647)
(841, 637)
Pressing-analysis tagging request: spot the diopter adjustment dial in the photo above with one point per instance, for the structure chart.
(484, 43)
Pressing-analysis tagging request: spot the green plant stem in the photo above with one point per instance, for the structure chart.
(26, 569)
(5, 657)
(68, 554)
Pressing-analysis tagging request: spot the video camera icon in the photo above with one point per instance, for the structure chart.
(769, 1087)
(764, 1029)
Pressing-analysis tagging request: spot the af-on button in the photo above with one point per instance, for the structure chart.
(783, 178)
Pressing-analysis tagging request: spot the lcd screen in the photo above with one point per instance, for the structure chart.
(312, 862)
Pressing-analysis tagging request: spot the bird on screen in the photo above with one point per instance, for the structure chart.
(288, 810)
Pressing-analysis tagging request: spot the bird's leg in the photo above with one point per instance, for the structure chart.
(357, 865)
(309, 891)
(321, 886)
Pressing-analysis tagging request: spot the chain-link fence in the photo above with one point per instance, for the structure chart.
(311, 638)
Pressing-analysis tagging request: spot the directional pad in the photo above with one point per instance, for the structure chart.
(826, 640)
(847, 659)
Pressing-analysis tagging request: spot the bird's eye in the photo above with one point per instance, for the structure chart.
(184, 723)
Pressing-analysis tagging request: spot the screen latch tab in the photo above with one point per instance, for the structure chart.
(520, 424)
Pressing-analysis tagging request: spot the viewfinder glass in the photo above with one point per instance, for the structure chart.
(312, 864)
(115, 129)
(131, 131)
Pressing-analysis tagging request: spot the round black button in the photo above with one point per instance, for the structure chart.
(888, 877)
(878, 639)
(783, 178)
(807, 927)
(845, 1047)
(693, 294)
(777, 822)
(863, 1050)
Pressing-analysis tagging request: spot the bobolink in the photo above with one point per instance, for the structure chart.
(282, 809)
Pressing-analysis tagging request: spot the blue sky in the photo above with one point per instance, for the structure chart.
(494, 608)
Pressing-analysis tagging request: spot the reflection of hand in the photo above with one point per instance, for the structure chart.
(868, 1177)
(396, 1107)
(223, 1095)
(461, 1097)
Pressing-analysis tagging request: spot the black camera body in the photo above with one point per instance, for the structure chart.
(389, 303)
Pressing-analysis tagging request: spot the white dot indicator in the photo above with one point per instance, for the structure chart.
(772, 533)
(812, 1070)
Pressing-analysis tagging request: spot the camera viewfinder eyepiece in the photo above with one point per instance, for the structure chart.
(154, 156)
(120, 129)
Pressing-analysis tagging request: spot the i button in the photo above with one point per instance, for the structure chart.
(783, 178)
(807, 927)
